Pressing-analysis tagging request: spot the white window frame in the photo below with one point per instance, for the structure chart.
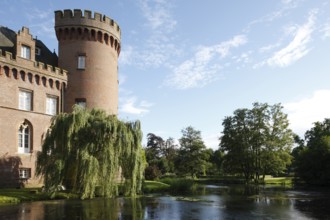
(81, 62)
(26, 52)
(24, 138)
(51, 105)
(25, 100)
(24, 173)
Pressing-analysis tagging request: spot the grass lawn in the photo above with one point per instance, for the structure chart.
(154, 186)
(278, 180)
(20, 195)
(30, 194)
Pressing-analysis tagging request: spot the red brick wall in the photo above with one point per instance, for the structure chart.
(11, 118)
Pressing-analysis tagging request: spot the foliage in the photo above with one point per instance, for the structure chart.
(192, 158)
(217, 162)
(164, 157)
(160, 156)
(312, 162)
(152, 172)
(256, 141)
(85, 149)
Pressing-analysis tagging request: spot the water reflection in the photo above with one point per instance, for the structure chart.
(208, 202)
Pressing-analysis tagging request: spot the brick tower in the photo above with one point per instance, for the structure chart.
(89, 48)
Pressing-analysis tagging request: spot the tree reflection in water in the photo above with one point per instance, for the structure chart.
(208, 202)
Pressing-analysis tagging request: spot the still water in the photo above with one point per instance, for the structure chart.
(210, 202)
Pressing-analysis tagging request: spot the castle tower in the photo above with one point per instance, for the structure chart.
(89, 48)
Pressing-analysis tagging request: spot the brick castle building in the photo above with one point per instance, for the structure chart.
(36, 84)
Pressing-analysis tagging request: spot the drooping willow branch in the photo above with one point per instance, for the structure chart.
(88, 149)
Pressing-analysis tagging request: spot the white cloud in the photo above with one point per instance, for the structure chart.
(158, 48)
(286, 6)
(211, 141)
(297, 48)
(131, 106)
(286, 1)
(42, 22)
(201, 69)
(37, 14)
(303, 113)
(126, 55)
(157, 14)
(326, 31)
(268, 47)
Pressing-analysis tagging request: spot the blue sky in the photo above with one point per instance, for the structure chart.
(191, 63)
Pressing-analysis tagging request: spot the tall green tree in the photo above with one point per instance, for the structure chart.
(256, 141)
(191, 159)
(217, 161)
(85, 149)
(312, 162)
(160, 156)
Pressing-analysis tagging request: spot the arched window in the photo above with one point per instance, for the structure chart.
(30, 77)
(79, 31)
(57, 84)
(66, 33)
(111, 41)
(6, 69)
(14, 71)
(51, 83)
(22, 74)
(37, 78)
(73, 33)
(99, 36)
(24, 138)
(106, 39)
(44, 81)
(93, 35)
(86, 34)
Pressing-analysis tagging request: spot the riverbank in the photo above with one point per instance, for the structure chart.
(31, 194)
(164, 185)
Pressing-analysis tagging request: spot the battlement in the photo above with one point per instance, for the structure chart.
(87, 19)
(33, 66)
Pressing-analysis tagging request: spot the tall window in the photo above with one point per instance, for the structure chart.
(25, 52)
(24, 138)
(25, 100)
(51, 105)
(24, 173)
(81, 62)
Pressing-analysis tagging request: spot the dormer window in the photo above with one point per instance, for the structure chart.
(38, 51)
(25, 52)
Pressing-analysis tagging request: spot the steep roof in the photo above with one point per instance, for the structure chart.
(46, 56)
(8, 41)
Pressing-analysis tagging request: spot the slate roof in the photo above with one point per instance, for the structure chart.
(8, 40)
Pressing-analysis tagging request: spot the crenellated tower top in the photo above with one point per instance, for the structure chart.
(89, 47)
(78, 25)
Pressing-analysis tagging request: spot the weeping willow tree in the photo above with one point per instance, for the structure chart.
(87, 150)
